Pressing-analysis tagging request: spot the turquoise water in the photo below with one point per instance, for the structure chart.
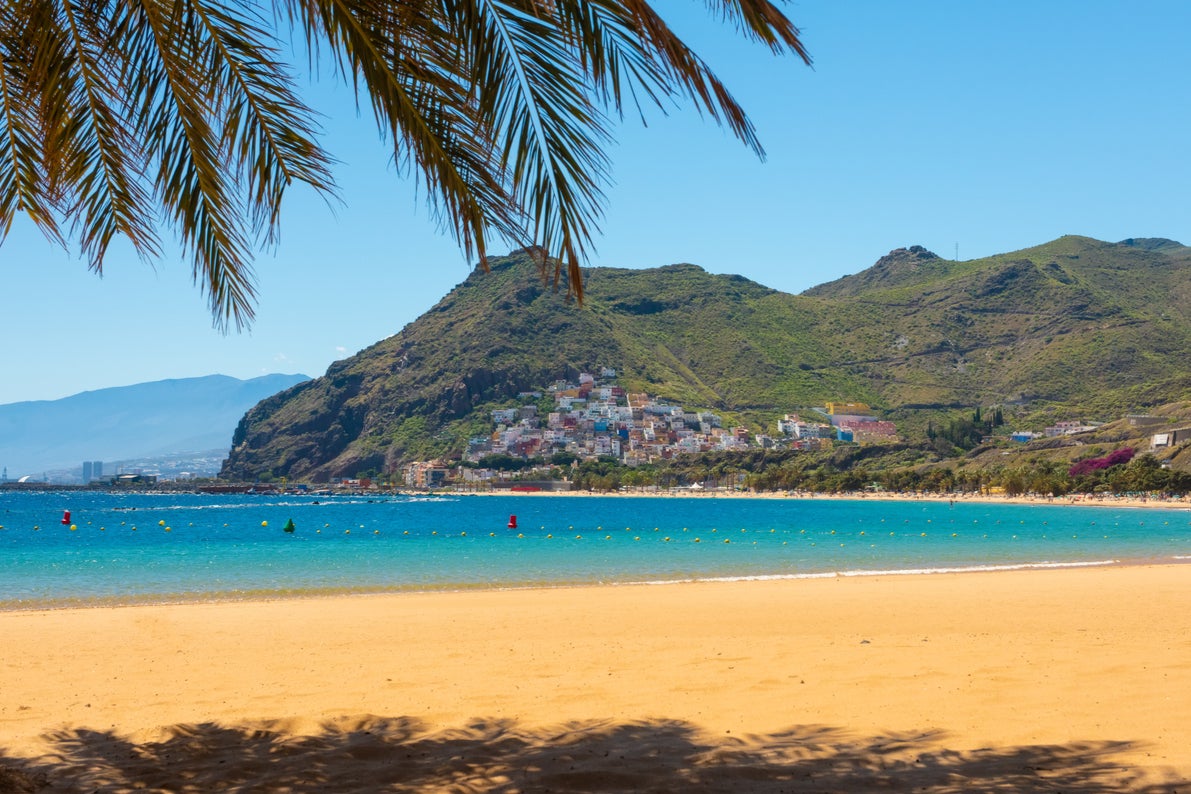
(129, 548)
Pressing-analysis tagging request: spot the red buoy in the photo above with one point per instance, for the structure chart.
(512, 522)
(65, 517)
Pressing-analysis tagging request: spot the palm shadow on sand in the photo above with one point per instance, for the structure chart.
(374, 754)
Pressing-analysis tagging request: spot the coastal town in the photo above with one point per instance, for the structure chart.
(594, 417)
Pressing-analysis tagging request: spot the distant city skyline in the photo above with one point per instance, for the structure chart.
(970, 128)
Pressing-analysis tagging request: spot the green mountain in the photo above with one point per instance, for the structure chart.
(1074, 325)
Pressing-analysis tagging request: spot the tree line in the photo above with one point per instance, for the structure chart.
(894, 468)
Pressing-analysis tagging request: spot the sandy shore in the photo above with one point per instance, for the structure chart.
(1088, 500)
(1072, 680)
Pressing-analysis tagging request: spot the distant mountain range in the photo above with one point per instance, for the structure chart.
(146, 420)
(1075, 327)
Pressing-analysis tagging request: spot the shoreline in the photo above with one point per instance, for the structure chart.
(279, 596)
(1076, 500)
(1015, 680)
(1070, 500)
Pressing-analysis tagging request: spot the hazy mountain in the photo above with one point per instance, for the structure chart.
(141, 421)
(1073, 325)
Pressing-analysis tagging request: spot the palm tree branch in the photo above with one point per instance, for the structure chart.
(192, 181)
(549, 131)
(103, 161)
(762, 21)
(268, 128)
(23, 184)
(417, 101)
(116, 112)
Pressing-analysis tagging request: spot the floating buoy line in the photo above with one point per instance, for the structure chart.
(811, 537)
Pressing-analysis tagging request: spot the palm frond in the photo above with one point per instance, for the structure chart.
(116, 115)
(98, 158)
(172, 66)
(400, 56)
(532, 94)
(24, 183)
(266, 128)
(761, 20)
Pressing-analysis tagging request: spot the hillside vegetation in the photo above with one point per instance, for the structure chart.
(1075, 328)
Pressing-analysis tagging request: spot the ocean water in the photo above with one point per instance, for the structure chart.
(133, 548)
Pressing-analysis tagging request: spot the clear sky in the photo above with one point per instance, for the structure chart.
(991, 126)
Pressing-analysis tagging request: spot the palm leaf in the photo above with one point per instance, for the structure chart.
(99, 159)
(24, 79)
(117, 115)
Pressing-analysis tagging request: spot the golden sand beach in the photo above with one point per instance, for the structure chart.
(1074, 680)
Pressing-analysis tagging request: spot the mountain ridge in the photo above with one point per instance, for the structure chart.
(1075, 323)
(122, 422)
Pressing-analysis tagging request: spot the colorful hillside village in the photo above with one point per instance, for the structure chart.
(596, 418)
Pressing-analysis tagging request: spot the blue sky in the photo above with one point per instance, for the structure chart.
(991, 126)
